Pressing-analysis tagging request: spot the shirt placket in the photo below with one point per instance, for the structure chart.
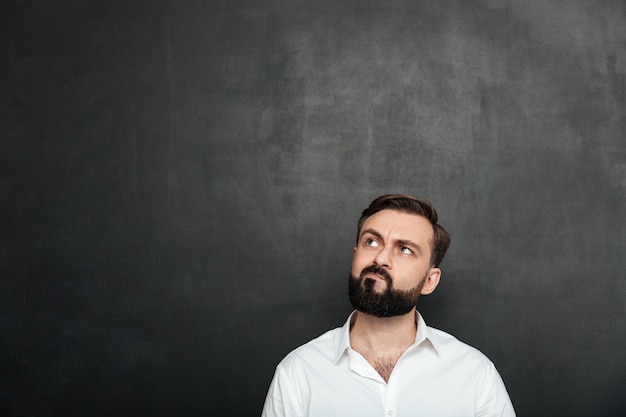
(389, 398)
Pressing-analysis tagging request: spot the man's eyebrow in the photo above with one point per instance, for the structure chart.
(403, 242)
(372, 232)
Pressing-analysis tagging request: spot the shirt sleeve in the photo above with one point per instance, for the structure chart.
(281, 400)
(492, 399)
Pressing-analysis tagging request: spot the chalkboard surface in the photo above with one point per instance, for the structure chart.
(180, 184)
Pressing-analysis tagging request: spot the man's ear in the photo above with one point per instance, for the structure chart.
(431, 281)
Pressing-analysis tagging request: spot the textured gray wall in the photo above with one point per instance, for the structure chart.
(180, 184)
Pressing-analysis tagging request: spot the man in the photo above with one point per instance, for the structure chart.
(385, 360)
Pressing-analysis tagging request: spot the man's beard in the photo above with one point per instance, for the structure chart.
(388, 303)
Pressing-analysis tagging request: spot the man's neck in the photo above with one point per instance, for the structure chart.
(382, 341)
(383, 334)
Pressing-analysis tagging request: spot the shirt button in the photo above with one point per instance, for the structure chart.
(390, 412)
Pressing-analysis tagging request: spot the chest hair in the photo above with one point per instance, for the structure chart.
(382, 362)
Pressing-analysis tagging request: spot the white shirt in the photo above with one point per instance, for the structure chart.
(437, 376)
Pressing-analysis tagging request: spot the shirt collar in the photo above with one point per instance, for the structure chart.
(423, 334)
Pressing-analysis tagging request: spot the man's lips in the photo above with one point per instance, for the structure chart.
(376, 273)
(375, 277)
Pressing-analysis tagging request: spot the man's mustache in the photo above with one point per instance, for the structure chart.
(378, 270)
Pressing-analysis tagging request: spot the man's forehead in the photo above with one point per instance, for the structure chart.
(402, 225)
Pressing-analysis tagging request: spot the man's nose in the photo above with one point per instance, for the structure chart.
(383, 257)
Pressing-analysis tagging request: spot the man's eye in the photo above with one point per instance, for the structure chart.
(371, 242)
(406, 250)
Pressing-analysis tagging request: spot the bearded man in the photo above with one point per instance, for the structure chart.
(385, 360)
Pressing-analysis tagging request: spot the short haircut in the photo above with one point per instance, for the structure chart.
(408, 204)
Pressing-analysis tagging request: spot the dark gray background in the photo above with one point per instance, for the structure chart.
(180, 184)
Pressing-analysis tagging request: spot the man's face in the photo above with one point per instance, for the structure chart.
(391, 264)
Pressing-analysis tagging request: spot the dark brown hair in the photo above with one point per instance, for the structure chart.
(407, 204)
